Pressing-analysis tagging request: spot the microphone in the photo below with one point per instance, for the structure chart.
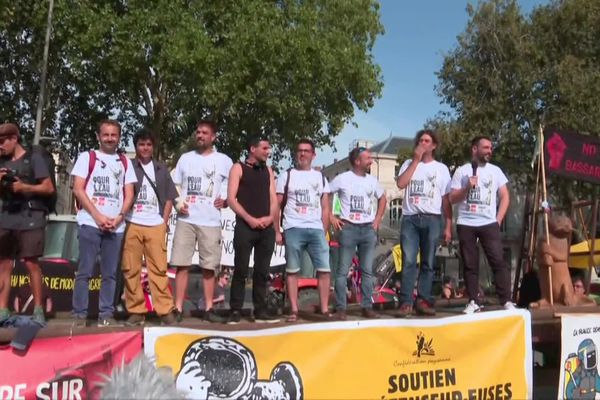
(474, 167)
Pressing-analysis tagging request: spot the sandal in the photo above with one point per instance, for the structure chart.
(293, 317)
(328, 315)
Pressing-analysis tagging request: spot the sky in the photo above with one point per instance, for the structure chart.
(417, 36)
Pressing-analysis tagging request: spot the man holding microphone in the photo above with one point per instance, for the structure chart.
(475, 186)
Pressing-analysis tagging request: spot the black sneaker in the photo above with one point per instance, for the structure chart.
(212, 316)
(136, 320)
(108, 323)
(178, 315)
(264, 318)
(234, 318)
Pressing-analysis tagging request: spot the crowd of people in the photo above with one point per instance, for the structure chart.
(124, 206)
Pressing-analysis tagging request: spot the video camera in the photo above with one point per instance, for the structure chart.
(9, 203)
(9, 178)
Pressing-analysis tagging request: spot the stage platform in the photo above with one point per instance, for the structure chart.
(545, 323)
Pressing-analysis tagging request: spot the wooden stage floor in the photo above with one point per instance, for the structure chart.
(545, 323)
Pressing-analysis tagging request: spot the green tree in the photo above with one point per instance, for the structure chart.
(285, 68)
(509, 73)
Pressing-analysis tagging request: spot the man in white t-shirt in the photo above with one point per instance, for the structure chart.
(303, 195)
(363, 204)
(475, 186)
(145, 235)
(103, 186)
(202, 176)
(427, 183)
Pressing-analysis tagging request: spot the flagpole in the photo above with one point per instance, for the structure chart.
(40, 105)
(545, 206)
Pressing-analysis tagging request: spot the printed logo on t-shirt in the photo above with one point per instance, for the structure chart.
(195, 191)
(306, 203)
(102, 192)
(360, 206)
(303, 202)
(422, 190)
(102, 186)
(145, 201)
(479, 198)
(209, 175)
(357, 204)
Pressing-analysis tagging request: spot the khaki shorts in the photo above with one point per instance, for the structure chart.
(185, 239)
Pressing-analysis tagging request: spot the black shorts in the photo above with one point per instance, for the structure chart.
(21, 244)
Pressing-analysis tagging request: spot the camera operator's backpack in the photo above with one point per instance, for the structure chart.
(47, 202)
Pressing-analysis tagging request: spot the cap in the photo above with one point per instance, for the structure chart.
(9, 129)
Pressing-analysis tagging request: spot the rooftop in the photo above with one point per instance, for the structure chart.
(392, 145)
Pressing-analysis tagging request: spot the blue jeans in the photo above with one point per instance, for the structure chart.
(301, 240)
(363, 237)
(418, 232)
(93, 241)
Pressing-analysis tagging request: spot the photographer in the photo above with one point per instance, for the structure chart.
(24, 182)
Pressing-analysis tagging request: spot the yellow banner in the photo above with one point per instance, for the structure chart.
(484, 356)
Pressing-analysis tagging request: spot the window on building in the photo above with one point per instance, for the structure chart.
(395, 211)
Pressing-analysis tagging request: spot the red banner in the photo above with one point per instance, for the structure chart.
(572, 155)
(65, 368)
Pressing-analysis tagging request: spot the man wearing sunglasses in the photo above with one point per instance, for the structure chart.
(363, 204)
(427, 184)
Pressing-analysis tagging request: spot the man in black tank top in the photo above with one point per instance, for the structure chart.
(251, 195)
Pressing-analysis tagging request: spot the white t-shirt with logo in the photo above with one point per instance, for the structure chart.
(358, 196)
(428, 184)
(479, 207)
(146, 210)
(105, 185)
(303, 207)
(203, 179)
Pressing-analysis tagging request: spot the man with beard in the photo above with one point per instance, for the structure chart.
(103, 186)
(303, 195)
(202, 175)
(427, 184)
(363, 204)
(475, 186)
(251, 195)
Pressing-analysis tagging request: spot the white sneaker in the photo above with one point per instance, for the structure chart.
(509, 306)
(471, 308)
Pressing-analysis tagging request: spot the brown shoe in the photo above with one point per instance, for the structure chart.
(341, 315)
(423, 308)
(369, 313)
(136, 320)
(405, 311)
(170, 318)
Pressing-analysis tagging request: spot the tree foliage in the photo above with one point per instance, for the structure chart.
(285, 68)
(511, 72)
